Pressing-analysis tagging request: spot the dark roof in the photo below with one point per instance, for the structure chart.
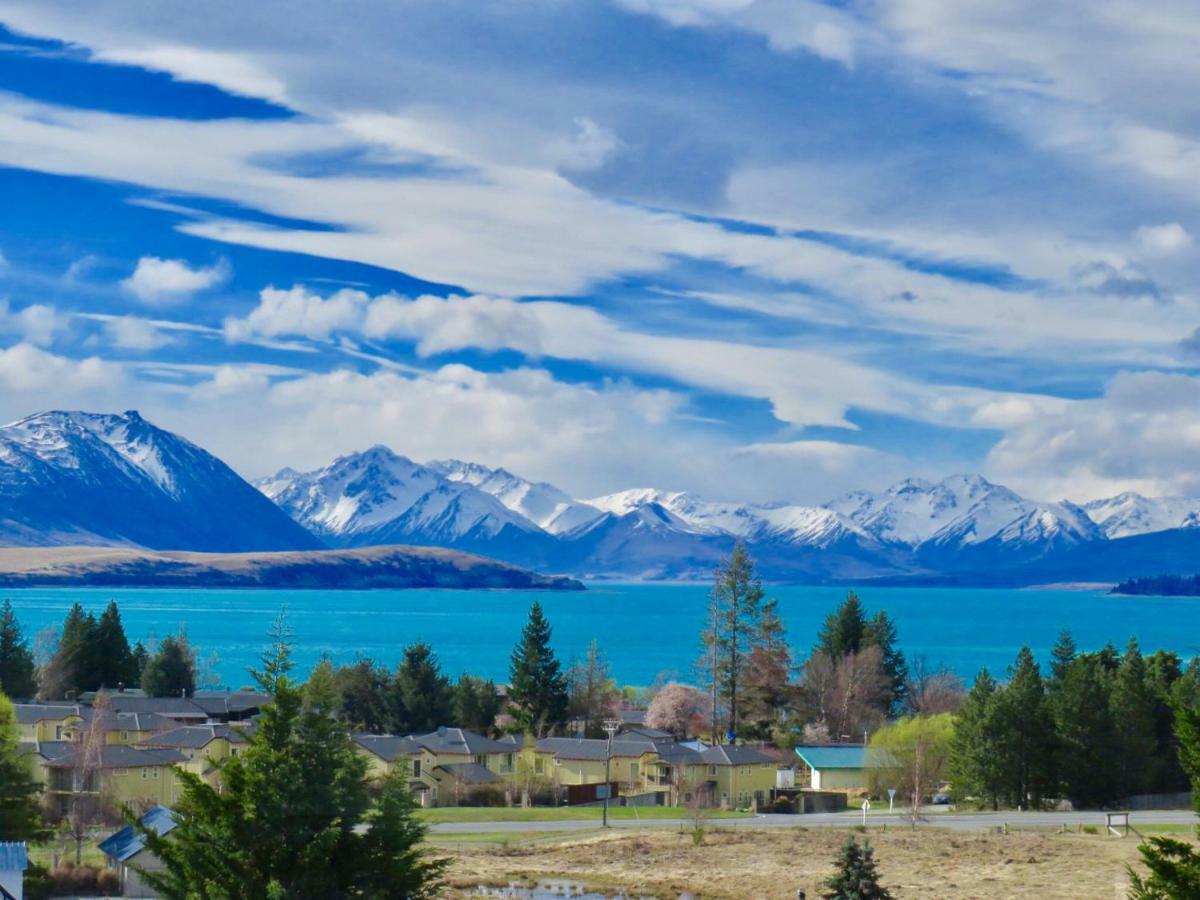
(459, 740)
(632, 716)
(734, 755)
(593, 748)
(193, 736)
(387, 747)
(230, 702)
(470, 773)
(654, 734)
(115, 756)
(51, 750)
(678, 755)
(172, 707)
(32, 713)
(128, 842)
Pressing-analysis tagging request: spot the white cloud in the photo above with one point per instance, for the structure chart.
(1143, 434)
(1164, 239)
(134, 333)
(300, 312)
(786, 24)
(232, 72)
(590, 147)
(37, 376)
(37, 323)
(163, 282)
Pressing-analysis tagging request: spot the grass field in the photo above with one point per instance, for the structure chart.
(562, 813)
(747, 865)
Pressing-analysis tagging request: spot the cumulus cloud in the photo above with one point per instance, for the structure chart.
(1165, 239)
(32, 373)
(163, 282)
(1142, 434)
(37, 323)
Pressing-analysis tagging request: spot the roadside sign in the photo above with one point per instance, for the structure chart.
(891, 799)
(866, 808)
(603, 792)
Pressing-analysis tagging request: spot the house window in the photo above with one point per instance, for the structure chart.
(712, 770)
(416, 768)
(481, 759)
(633, 771)
(124, 735)
(155, 771)
(145, 773)
(508, 762)
(119, 772)
(58, 732)
(539, 766)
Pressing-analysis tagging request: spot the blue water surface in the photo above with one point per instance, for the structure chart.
(645, 629)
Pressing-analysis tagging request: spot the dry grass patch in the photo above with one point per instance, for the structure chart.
(765, 864)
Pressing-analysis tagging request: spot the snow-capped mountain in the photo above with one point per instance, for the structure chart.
(1129, 514)
(963, 511)
(84, 478)
(541, 503)
(380, 497)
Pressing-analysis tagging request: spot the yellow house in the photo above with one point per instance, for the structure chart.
(742, 777)
(203, 747)
(46, 721)
(571, 761)
(443, 766)
(120, 775)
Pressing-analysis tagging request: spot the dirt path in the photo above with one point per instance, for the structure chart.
(774, 864)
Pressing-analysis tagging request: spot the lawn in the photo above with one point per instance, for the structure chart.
(563, 813)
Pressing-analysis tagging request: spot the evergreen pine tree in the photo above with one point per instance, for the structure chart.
(1133, 716)
(421, 699)
(1087, 743)
(294, 818)
(1025, 730)
(476, 704)
(1061, 657)
(737, 593)
(18, 674)
(591, 691)
(321, 690)
(20, 792)
(537, 687)
(880, 632)
(856, 877)
(844, 629)
(364, 688)
(974, 755)
(171, 672)
(114, 663)
(70, 669)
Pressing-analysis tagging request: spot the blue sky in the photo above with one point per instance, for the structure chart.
(755, 249)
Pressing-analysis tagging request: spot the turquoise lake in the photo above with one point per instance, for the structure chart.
(645, 629)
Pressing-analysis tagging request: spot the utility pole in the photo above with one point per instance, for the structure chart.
(610, 728)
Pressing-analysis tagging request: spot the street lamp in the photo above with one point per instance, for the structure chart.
(610, 728)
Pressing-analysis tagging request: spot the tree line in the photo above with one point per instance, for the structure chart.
(852, 680)
(91, 652)
(1099, 727)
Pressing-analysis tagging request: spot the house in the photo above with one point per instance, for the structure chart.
(118, 775)
(204, 747)
(443, 766)
(744, 776)
(573, 761)
(126, 851)
(14, 860)
(838, 767)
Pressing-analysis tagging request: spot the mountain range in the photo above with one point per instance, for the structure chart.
(82, 478)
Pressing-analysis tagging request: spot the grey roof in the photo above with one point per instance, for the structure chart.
(387, 747)
(734, 755)
(14, 857)
(460, 741)
(116, 756)
(470, 773)
(52, 750)
(194, 736)
(654, 734)
(632, 716)
(593, 748)
(128, 842)
(32, 713)
(171, 707)
(230, 702)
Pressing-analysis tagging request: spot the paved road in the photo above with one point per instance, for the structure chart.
(953, 821)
